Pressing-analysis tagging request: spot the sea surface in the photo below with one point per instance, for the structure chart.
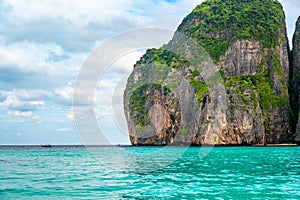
(150, 173)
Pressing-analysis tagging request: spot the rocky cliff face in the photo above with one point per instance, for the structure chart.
(222, 79)
(296, 78)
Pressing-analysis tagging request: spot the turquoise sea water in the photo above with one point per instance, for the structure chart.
(164, 173)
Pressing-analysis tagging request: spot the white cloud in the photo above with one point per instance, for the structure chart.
(108, 101)
(25, 55)
(43, 45)
(13, 102)
(35, 117)
(35, 66)
(70, 116)
(23, 114)
(65, 93)
(73, 24)
(29, 94)
(125, 64)
(74, 10)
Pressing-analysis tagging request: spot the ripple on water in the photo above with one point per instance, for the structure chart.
(225, 173)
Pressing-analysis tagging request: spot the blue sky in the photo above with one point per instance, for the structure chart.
(43, 45)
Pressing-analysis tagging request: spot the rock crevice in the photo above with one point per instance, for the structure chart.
(183, 93)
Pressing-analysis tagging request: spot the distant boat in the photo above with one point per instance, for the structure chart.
(46, 145)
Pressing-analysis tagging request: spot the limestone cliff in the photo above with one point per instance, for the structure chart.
(222, 79)
(296, 79)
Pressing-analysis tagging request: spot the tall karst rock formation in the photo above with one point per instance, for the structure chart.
(295, 73)
(221, 80)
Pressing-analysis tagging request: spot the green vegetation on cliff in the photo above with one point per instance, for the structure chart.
(254, 73)
(296, 38)
(215, 24)
(140, 97)
(262, 85)
(162, 57)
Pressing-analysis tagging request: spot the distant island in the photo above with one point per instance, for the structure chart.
(228, 77)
